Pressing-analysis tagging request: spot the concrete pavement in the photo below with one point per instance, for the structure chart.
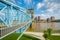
(36, 34)
(39, 35)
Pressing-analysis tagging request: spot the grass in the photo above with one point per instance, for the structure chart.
(55, 38)
(14, 36)
(28, 37)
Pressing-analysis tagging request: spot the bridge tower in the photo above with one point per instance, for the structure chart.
(31, 13)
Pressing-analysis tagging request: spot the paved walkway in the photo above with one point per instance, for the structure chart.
(57, 34)
(36, 34)
(39, 35)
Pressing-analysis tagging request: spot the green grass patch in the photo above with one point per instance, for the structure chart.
(55, 38)
(14, 36)
(28, 37)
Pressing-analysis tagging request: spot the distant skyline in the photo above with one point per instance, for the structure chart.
(43, 8)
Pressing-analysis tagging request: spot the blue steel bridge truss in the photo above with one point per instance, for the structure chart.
(13, 18)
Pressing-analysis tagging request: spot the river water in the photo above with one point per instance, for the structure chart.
(44, 26)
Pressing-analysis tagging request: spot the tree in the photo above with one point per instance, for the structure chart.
(47, 33)
(49, 30)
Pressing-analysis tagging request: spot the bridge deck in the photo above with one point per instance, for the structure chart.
(4, 31)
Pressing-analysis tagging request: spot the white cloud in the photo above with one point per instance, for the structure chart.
(28, 1)
(49, 5)
(42, 11)
(50, 10)
(39, 5)
(48, 15)
(43, 15)
(45, 0)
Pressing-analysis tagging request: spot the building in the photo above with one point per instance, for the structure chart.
(38, 18)
(48, 19)
(52, 18)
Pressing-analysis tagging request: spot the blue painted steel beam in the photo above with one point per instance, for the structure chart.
(10, 4)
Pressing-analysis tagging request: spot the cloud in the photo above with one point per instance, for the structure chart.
(39, 5)
(28, 1)
(43, 15)
(45, 0)
(55, 1)
(52, 8)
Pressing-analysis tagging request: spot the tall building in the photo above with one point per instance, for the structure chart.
(48, 20)
(52, 18)
(38, 19)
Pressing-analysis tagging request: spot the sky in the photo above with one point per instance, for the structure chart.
(43, 8)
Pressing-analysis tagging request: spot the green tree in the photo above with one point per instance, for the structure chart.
(47, 33)
(49, 30)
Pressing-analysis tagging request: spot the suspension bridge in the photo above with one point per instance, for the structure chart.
(13, 18)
